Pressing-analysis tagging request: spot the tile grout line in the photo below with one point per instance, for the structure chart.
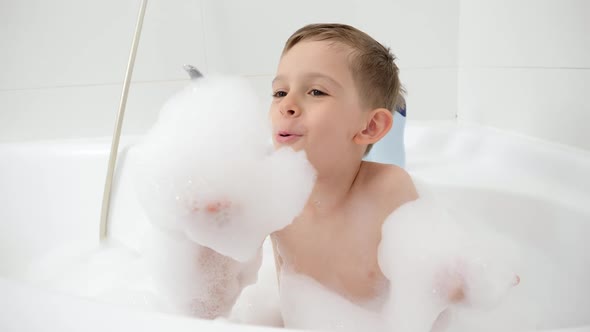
(458, 68)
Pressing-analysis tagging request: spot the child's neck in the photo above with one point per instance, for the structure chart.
(332, 188)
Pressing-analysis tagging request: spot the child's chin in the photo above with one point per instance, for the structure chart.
(295, 147)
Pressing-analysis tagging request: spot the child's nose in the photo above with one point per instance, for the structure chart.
(290, 109)
(290, 113)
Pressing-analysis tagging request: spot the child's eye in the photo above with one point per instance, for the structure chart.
(317, 93)
(279, 94)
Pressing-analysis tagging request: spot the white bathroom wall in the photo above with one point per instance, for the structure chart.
(519, 65)
(246, 37)
(64, 60)
(64, 63)
(524, 66)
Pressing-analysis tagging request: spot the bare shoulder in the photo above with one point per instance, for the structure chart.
(390, 184)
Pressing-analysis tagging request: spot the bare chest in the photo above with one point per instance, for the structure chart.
(339, 251)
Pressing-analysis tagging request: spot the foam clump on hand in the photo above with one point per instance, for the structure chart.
(204, 169)
(434, 264)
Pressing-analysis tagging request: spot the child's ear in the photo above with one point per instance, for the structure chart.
(378, 124)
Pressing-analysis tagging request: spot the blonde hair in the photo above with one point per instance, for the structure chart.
(372, 65)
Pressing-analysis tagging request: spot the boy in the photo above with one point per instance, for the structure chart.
(333, 96)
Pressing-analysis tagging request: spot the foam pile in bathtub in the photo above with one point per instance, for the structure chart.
(110, 272)
(429, 255)
(205, 169)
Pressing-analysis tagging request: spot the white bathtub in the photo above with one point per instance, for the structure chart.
(534, 191)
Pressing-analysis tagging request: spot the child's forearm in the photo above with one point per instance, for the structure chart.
(195, 280)
(223, 280)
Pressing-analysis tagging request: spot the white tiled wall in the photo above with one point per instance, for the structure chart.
(511, 64)
(525, 66)
(63, 43)
(525, 33)
(64, 60)
(246, 37)
(548, 103)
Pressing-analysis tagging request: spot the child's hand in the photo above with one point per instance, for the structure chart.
(204, 170)
(453, 287)
(217, 211)
(473, 283)
(217, 206)
(435, 264)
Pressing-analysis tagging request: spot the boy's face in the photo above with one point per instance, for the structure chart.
(316, 104)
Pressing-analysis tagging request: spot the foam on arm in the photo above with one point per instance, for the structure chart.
(434, 264)
(213, 193)
(194, 280)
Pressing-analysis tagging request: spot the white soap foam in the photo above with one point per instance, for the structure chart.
(306, 304)
(194, 280)
(110, 272)
(209, 185)
(204, 169)
(429, 255)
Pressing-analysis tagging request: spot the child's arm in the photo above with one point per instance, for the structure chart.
(207, 243)
(195, 280)
(433, 264)
(206, 180)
